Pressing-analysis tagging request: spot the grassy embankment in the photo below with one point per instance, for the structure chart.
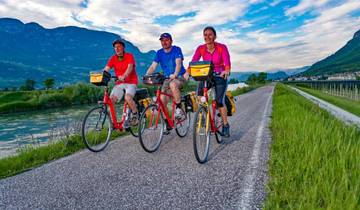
(314, 158)
(30, 157)
(19, 101)
(349, 105)
(33, 156)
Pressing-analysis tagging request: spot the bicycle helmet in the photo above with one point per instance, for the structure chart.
(118, 41)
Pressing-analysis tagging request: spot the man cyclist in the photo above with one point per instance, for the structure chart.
(219, 55)
(124, 67)
(170, 58)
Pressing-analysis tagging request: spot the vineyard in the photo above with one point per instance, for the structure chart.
(348, 89)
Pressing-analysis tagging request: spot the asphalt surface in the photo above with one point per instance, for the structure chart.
(124, 176)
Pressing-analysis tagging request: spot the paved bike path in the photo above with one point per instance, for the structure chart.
(124, 176)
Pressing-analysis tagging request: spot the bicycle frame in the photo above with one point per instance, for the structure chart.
(109, 103)
(164, 109)
(211, 114)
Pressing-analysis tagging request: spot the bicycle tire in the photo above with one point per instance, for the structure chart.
(198, 126)
(182, 133)
(97, 145)
(147, 119)
(219, 124)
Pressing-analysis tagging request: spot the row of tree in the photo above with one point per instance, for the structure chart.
(29, 84)
(256, 79)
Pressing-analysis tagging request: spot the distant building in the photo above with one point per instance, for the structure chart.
(343, 76)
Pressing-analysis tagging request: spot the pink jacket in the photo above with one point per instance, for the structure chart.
(220, 57)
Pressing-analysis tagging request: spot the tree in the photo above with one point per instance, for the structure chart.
(49, 83)
(29, 85)
(233, 81)
(262, 77)
(252, 79)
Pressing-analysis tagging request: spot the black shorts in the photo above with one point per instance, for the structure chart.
(220, 89)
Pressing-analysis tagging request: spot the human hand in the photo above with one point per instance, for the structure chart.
(173, 76)
(224, 74)
(121, 78)
(186, 75)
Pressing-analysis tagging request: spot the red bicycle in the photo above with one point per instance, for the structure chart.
(100, 121)
(152, 120)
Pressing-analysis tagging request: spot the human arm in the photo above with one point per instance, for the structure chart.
(225, 56)
(152, 68)
(127, 72)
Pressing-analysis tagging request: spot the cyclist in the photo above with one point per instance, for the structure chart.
(170, 58)
(124, 67)
(220, 57)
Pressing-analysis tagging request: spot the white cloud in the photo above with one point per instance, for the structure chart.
(304, 6)
(47, 13)
(255, 50)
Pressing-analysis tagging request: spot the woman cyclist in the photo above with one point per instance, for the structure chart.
(220, 57)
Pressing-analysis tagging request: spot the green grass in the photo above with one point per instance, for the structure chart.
(314, 158)
(344, 103)
(31, 157)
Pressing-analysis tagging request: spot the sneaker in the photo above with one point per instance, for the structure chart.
(134, 119)
(126, 124)
(167, 128)
(226, 130)
(179, 114)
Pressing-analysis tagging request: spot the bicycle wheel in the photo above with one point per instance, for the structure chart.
(219, 125)
(182, 125)
(201, 135)
(96, 129)
(152, 126)
(134, 129)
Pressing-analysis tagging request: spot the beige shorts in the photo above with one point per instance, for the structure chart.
(118, 91)
(180, 81)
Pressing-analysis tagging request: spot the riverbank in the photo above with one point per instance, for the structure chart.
(22, 101)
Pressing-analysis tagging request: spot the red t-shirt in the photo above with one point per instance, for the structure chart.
(121, 66)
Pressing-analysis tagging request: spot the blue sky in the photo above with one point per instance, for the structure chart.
(262, 35)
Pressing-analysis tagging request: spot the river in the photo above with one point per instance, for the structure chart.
(38, 128)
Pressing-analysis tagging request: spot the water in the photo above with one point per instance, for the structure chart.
(40, 127)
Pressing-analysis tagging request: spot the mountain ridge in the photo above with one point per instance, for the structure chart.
(346, 59)
(67, 53)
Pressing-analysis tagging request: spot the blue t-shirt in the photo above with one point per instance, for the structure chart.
(167, 60)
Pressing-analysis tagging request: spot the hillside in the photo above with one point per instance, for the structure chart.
(30, 51)
(347, 59)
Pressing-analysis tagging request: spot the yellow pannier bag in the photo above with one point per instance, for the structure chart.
(145, 103)
(194, 101)
(230, 103)
(201, 70)
(100, 78)
(190, 102)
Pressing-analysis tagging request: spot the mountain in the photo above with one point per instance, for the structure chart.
(347, 59)
(277, 75)
(295, 71)
(67, 54)
(243, 76)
